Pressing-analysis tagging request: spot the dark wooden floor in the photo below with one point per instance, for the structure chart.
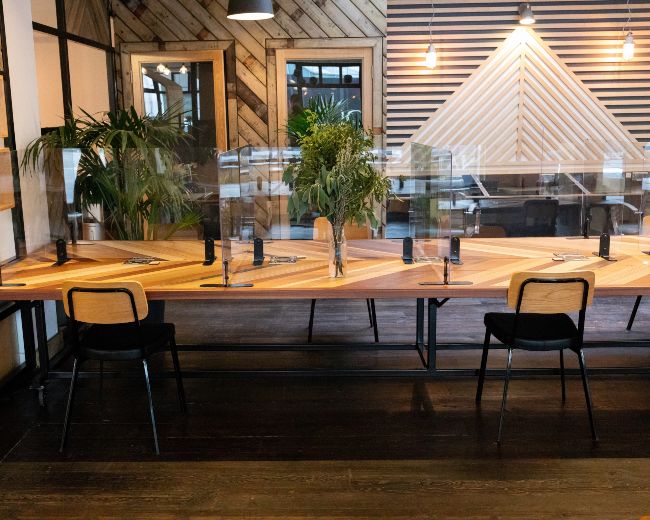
(337, 447)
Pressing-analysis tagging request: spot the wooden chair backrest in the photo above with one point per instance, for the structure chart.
(323, 227)
(646, 226)
(550, 298)
(105, 308)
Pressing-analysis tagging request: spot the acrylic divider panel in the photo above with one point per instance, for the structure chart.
(614, 199)
(236, 213)
(641, 174)
(255, 225)
(86, 198)
(430, 203)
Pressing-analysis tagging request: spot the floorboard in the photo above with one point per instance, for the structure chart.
(337, 447)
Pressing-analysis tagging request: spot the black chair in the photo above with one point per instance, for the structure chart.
(540, 217)
(539, 323)
(114, 310)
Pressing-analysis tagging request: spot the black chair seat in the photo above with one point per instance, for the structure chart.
(120, 342)
(534, 331)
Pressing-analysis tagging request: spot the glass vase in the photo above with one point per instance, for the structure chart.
(338, 254)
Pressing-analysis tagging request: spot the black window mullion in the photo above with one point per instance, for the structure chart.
(63, 56)
(17, 216)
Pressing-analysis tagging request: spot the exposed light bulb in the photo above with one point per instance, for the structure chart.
(144, 71)
(628, 47)
(431, 58)
(167, 72)
(160, 67)
(526, 14)
(183, 69)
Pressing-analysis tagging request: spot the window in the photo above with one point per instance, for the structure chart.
(338, 74)
(186, 88)
(328, 80)
(74, 58)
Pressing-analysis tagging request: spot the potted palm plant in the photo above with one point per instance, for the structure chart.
(128, 167)
(335, 174)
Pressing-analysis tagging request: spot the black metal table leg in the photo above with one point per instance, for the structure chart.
(431, 343)
(43, 354)
(633, 315)
(434, 305)
(419, 329)
(28, 334)
(374, 320)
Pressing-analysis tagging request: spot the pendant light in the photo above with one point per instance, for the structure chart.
(250, 9)
(526, 16)
(144, 71)
(431, 57)
(167, 72)
(183, 69)
(628, 46)
(160, 67)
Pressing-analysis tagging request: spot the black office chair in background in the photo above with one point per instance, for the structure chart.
(115, 309)
(540, 217)
(541, 301)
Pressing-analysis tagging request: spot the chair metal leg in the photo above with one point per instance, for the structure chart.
(311, 320)
(481, 373)
(585, 384)
(369, 311)
(179, 379)
(374, 319)
(562, 375)
(153, 419)
(633, 315)
(68, 411)
(101, 386)
(505, 395)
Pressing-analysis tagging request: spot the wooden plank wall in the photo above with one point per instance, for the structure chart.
(191, 20)
(586, 34)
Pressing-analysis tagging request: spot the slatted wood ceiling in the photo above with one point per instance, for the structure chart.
(187, 20)
(587, 35)
(523, 104)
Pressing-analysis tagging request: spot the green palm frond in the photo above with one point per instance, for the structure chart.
(128, 165)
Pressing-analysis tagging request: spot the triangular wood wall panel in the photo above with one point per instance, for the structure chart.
(523, 104)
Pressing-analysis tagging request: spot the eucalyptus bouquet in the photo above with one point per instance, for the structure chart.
(336, 177)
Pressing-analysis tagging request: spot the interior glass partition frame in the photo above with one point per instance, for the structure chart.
(613, 173)
(255, 225)
(430, 226)
(83, 201)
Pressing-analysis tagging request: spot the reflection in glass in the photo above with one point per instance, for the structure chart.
(330, 80)
(191, 93)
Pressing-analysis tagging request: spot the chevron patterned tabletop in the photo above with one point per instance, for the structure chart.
(375, 269)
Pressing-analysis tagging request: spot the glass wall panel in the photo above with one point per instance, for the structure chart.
(48, 77)
(430, 224)
(88, 19)
(88, 78)
(44, 11)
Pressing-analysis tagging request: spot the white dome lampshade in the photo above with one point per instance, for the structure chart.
(526, 14)
(250, 9)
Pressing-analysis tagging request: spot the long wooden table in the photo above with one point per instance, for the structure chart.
(375, 270)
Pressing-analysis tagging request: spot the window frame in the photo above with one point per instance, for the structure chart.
(64, 36)
(217, 58)
(282, 56)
